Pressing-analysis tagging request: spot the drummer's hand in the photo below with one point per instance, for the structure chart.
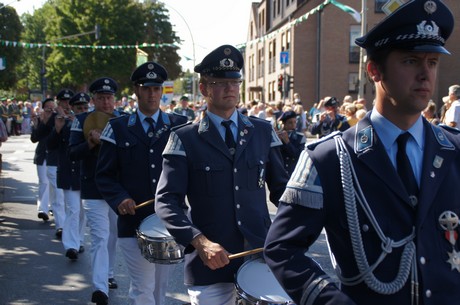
(213, 255)
(127, 207)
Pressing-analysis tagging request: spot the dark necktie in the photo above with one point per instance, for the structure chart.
(151, 129)
(229, 140)
(404, 167)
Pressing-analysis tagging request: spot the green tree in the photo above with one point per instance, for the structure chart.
(159, 30)
(10, 30)
(122, 22)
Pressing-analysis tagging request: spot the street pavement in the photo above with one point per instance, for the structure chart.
(33, 266)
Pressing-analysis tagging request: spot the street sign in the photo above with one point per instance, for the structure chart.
(284, 58)
(168, 93)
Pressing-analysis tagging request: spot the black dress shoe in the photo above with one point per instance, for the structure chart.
(43, 216)
(72, 254)
(81, 249)
(113, 283)
(59, 233)
(99, 298)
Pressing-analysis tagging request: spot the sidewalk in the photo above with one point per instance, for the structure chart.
(33, 268)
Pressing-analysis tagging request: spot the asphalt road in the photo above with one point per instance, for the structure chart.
(33, 268)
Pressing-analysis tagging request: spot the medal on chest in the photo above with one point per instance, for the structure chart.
(448, 221)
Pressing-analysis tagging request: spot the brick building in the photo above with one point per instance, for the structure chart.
(317, 39)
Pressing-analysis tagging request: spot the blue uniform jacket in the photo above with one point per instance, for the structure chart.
(302, 215)
(68, 171)
(40, 134)
(291, 151)
(130, 164)
(227, 195)
(79, 151)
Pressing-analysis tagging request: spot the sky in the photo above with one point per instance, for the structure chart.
(211, 22)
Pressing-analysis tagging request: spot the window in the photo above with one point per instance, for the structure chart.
(353, 82)
(355, 32)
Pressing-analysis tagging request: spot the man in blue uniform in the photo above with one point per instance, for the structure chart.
(184, 109)
(330, 120)
(221, 164)
(386, 190)
(68, 176)
(41, 127)
(127, 174)
(84, 146)
(293, 141)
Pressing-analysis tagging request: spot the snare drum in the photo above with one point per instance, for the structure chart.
(156, 244)
(256, 285)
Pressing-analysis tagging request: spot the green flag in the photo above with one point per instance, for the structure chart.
(141, 57)
(354, 13)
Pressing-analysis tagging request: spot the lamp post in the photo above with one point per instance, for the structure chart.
(361, 75)
(193, 46)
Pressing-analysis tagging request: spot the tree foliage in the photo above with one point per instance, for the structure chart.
(122, 22)
(10, 29)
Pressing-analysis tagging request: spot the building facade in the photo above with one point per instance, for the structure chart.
(307, 47)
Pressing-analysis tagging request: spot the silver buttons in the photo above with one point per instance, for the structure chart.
(237, 188)
(428, 293)
(422, 260)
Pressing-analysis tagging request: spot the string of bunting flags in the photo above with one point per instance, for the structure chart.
(355, 14)
(7, 43)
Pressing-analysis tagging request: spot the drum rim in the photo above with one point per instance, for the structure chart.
(250, 298)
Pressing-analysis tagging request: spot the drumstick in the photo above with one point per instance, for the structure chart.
(241, 254)
(143, 204)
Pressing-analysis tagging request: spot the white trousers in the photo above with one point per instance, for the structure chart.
(102, 222)
(148, 281)
(216, 294)
(43, 189)
(73, 234)
(56, 197)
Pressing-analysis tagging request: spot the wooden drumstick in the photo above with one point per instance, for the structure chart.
(241, 254)
(143, 204)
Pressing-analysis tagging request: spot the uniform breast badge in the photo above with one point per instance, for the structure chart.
(261, 181)
(448, 221)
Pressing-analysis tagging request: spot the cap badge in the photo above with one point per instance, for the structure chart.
(227, 63)
(105, 87)
(106, 81)
(427, 29)
(227, 51)
(151, 75)
(430, 7)
(150, 66)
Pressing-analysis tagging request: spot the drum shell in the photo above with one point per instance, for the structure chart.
(268, 281)
(161, 249)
